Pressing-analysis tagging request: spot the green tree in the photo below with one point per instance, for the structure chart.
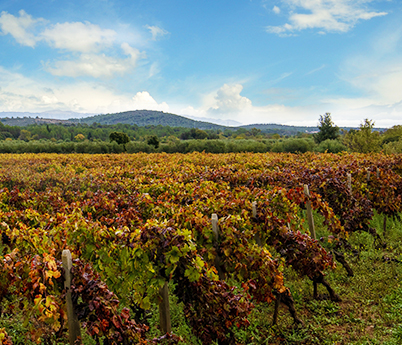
(119, 137)
(194, 133)
(154, 141)
(392, 134)
(25, 135)
(255, 132)
(327, 129)
(365, 139)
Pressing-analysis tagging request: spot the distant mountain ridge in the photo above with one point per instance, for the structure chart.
(147, 118)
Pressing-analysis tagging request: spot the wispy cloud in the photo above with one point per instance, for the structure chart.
(156, 32)
(325, 15)
(316, 70)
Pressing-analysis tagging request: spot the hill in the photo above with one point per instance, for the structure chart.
(147, 118)
(144, 118)
(155, 118)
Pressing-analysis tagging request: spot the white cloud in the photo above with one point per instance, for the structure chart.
(19, 93)
(326, 15)
(22, 94)
(276, 10)
(229, 102)
(89, 65)
(88, 39)
(96, 52)
(21, 28)
(80, 37)
(143, 100)
(96, 66)
(156, 32)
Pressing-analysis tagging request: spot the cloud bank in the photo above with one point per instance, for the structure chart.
(325, 15)
(85, 49)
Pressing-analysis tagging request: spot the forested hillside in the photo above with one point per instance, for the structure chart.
(143, 118)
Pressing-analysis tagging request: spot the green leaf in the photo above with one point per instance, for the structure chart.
(145, 303)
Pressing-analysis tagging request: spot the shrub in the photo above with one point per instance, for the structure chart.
(331, 146)
(295, 145)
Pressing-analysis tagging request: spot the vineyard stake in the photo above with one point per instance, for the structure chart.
(215, 230)
(349, 175)
(217, 261)
(254, 213)
(310, 218)
(378, 172)
(74, 331)
(254, 208)
(164, 310)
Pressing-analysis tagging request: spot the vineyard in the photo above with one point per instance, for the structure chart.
(200, 248)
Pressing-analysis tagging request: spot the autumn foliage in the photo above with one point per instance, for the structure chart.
(134, 222)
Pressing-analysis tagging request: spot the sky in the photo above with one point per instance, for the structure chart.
(250, 61)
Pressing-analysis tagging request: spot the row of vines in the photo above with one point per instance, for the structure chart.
(136, 222)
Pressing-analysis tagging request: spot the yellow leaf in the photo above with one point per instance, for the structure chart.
(42, 288)
(52, 265)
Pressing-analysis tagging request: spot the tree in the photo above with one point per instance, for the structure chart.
(154, 141)
(365, 139)
(327, 128)
(254, 132)
(25, 135)
(79, 137)
(119, 137)
(392, 134)
(194, 133)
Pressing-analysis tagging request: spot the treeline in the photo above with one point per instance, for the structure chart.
(97, 138)
(96, 131)
(292, 145)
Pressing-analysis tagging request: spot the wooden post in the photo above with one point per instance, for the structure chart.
(74, 331)
(164, 310)
(368, 176)
(349, 175)
(310, 218)
(254, 212)
(378, 172)
(215, 230)
(217, 261)
(254, 206)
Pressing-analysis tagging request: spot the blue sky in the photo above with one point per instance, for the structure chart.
(251, 61)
